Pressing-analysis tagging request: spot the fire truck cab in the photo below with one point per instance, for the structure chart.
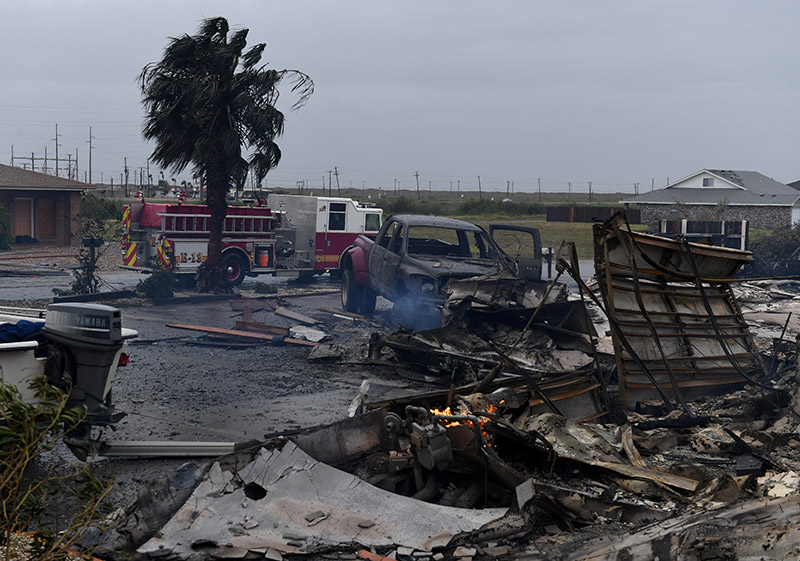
(315, 231)
(294, 235)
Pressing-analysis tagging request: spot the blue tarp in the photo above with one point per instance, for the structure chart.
(23, 330)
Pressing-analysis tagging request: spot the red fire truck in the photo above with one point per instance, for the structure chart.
(294, 235)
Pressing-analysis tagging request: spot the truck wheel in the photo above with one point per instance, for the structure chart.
(235, 268)
(368, 301)
(352, 293)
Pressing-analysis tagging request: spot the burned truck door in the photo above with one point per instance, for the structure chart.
(523, 244)
(385, 258)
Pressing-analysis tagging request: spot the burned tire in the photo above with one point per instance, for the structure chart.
(352, 293)
(235, 268)
(368, 301)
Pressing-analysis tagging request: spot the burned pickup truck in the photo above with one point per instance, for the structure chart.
(413, 258)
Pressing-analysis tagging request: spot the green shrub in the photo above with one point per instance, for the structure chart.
(6, 238)
(159, 284)
(27, 432)
(100, 209)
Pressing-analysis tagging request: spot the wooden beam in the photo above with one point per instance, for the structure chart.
(236, 333)
(295, 316)
(262, 328)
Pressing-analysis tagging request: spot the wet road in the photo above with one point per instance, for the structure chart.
(39, 284)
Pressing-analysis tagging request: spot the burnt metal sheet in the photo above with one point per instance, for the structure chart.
(287, 501)
(500, 292)
(676, 320)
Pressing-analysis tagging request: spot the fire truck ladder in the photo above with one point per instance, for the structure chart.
(179, 223)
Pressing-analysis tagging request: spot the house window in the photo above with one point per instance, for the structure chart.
(708, 182)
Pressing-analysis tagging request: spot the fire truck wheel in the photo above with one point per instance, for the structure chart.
(236, 268)
(368, 301)
(352, 294)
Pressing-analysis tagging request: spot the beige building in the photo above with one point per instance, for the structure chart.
(42, 207)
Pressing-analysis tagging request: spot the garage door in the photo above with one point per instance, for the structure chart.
(23, 217)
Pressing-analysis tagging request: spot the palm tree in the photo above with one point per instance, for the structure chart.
(207, 99)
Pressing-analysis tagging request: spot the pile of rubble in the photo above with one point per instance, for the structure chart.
(638, 418)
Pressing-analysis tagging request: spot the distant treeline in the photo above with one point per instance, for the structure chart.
(470, 207)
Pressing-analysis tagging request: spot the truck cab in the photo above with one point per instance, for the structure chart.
(315, 231)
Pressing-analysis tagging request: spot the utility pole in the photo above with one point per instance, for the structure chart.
(416, 174)
(395, 187)
(56, 139)
(330, 182)
(69, 166)
(590, 191)
(459, 186)
(77, 177)
(126, 177)
(336, 173)
(569, 189)
(508, 188)
(90, 154)
(451, 187)
(480, 191)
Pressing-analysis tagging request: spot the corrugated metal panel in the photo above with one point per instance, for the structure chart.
(677, 323)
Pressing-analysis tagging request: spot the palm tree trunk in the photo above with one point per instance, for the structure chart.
(211, 275)
(218, 208)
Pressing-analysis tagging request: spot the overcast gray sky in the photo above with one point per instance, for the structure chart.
(614, 92)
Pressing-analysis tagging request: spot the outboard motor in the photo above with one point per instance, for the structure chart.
(85, 342)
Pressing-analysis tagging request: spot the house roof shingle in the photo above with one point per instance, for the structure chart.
(19, 178)
(747, 188)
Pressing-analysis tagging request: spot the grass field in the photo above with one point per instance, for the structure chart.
(553, 233)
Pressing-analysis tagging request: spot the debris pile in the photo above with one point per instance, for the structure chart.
(681, 443)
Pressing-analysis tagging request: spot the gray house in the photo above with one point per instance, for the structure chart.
(715, 195)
